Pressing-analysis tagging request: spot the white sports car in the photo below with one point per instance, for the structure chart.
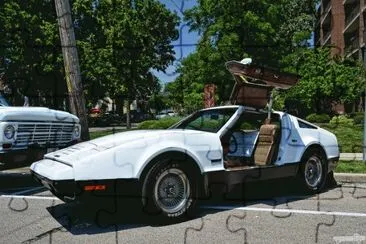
(172, 168)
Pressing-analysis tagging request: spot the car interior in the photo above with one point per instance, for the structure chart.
(252, 142)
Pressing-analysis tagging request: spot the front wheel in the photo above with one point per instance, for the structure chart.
(313, 171)
(168, 190)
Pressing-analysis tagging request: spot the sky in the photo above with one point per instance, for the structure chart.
(186, 43)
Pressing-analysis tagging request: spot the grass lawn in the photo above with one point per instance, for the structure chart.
(97, 134)
(349, 137)
(351, 167)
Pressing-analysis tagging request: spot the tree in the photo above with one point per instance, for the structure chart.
(30, 51)
(135, 37)
(265, 30)
(323, 79)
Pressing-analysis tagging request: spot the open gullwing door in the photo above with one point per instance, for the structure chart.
(255, 83)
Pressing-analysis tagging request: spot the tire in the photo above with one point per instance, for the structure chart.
(169, 190)
(313, 171)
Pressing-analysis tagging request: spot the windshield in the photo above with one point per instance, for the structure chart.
(3, 101)
(206, 120)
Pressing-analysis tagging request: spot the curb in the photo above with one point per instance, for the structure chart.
(350, 178)
(351, 156)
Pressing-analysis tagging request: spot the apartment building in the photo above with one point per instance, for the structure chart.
(341, 24)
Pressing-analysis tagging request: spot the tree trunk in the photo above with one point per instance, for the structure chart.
(128, 114)
(71, 63)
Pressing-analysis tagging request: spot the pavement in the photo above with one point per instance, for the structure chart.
(337, 215)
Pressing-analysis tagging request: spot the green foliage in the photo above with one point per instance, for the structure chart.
(132, 38)
(119, 42)
(318, 118)
(358, 119)
(358, 167)
(352, 115)
(349, 137)
(231, 30)
(323, 80)
(341, 120)
(163, 123)
(30, 53)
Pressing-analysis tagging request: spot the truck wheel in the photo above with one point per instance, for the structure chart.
(313, 171)
(168, 190)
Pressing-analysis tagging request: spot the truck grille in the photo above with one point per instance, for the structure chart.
(56, 134)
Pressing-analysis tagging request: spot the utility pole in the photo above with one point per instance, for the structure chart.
(71, 63)
(364, 110)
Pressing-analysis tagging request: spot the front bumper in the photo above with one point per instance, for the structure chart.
(18, 156)
(70, 190)
(12, 158)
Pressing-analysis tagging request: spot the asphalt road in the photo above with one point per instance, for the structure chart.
(272, 212)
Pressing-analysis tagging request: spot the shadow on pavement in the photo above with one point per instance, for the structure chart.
(114, 214)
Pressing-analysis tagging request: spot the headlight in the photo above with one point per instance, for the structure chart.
(76, 132)
(9, 132)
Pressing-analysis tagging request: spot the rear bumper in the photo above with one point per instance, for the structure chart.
(70, 190)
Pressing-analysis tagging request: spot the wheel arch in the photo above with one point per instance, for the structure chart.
(315, 146)
(173, 155)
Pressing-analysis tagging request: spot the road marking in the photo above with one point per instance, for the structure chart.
(30, 197)
(29, 190)
(299, 211)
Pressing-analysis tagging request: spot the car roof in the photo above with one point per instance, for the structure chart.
(246, 108)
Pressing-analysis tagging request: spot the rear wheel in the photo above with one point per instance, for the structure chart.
(313, 171)
(169, 190)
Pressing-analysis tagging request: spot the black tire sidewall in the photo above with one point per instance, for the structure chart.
(306, 157)
(149, 204)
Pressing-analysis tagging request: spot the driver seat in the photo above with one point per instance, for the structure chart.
(266, 144)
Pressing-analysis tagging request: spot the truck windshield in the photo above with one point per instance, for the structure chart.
(206, 120)
(3, 102)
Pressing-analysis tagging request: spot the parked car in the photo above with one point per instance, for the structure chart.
(165, 113)
(228, 145)
(27, 133)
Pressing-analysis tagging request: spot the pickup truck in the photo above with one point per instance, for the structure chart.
(27, 133)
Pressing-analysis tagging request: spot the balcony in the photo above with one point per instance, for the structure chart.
(326, 12)
(326, 8)
(326, 36)
(352, 46)
(351, 16)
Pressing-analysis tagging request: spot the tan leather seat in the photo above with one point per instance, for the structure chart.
(266, 144)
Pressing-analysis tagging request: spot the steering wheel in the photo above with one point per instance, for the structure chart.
(234, 142)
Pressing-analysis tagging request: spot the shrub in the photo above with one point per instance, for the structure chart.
(341, 120)
(163, 123)
(318, 118)
(358, 119)
(352, 115)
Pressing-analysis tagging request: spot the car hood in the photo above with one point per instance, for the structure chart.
(35, 114)
(128, 139)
